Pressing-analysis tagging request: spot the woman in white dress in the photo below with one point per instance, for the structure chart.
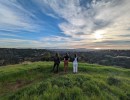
(75, 64)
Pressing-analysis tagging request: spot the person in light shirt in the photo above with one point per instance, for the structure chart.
(75, 64)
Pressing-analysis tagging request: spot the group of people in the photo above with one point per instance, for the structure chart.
(66, 62)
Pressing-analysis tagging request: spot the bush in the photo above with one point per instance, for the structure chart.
(113, 81)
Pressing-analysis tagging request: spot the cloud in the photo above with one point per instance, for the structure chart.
(15, 17)
(90, 16)
(55, 39)
(51, 15)
(117, 42)
(70, 23)
(24, 43)
(10, 35)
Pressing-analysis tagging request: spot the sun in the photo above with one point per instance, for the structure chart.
(98, 34)
(97, 48)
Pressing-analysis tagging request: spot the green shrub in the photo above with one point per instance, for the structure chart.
(113, 81)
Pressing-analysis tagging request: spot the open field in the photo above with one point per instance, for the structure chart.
(35, 81)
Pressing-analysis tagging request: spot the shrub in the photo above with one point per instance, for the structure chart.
(113, 81)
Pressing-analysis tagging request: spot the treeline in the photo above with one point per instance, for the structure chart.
(14, 56)
(103, 57)
(107, 57)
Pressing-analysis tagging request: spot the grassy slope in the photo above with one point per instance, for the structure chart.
(34, 81)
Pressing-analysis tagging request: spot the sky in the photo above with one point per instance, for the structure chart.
(65, 24)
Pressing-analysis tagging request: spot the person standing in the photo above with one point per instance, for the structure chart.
(56, 62)
(75, 64)
(66, 62)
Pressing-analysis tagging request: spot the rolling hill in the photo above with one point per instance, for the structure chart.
(35, 81)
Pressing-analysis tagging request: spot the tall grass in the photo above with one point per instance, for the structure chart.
(35, 81)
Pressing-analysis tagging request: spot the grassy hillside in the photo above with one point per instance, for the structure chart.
(34, 81)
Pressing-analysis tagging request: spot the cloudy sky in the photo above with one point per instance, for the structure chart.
(91, 24)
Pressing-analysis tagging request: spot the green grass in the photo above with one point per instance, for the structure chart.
(35, 81)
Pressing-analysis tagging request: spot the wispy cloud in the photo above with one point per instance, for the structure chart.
(17, 43)
(15, 17)
(9, 35)
(73, 23)
(91, 16)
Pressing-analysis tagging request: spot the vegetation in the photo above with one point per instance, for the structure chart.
(34, 81)
(102, 57)
(15, 56)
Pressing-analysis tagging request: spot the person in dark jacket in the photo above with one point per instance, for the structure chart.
(56, 62)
